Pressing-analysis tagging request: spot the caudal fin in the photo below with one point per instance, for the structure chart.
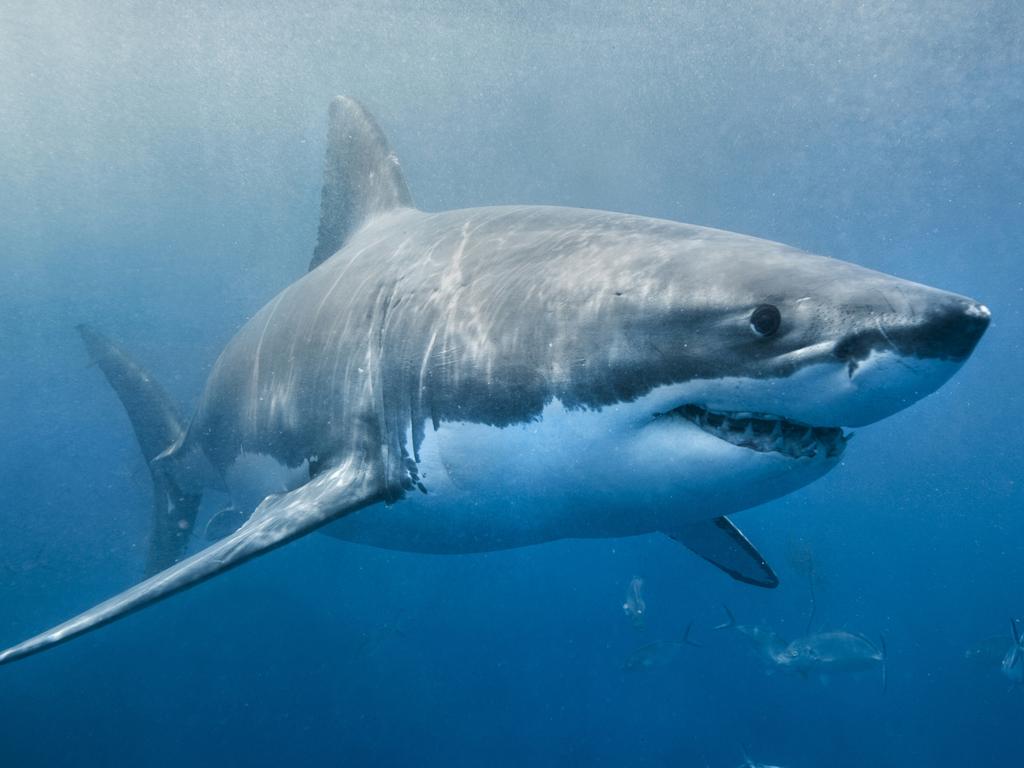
(730, 621)
(157, 426)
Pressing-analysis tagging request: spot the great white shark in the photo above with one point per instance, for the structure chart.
(489, 378)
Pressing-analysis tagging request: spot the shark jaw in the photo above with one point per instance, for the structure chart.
(764, 433)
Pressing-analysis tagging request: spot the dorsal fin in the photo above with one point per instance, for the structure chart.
(362, 178)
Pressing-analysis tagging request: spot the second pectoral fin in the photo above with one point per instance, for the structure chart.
(722, 544)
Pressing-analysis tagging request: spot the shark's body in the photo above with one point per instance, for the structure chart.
(505, 404)
(496, 377)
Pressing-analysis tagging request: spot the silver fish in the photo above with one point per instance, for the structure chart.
(659, 653)
(826, 652)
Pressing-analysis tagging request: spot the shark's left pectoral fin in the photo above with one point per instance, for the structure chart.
(278, 520)
(722, 544)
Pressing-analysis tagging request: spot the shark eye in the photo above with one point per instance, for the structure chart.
(765, 320)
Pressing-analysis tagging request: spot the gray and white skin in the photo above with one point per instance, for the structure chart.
(488, 378)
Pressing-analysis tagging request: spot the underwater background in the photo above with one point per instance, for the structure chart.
(160, 172)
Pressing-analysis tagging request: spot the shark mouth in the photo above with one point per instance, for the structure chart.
(763, 432)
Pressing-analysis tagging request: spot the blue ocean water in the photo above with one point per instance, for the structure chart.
(160, 170)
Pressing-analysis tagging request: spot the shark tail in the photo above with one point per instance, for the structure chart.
(1015, 630)
(157, 425)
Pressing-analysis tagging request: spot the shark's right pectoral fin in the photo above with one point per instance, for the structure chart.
(722, 544)
(278, 520)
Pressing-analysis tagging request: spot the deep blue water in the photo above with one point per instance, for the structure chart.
(160, 169)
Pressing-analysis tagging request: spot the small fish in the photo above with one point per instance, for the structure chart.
(826, 652)
(659, 653)
(635, 607)
(1013, 662)
(766, 643)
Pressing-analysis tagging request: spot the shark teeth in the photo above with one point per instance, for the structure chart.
(763, 432)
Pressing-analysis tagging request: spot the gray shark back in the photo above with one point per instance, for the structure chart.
(485, 316)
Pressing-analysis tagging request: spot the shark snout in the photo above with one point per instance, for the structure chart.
(947, 329)
(952, 332)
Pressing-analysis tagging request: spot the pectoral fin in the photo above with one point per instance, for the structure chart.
(722, 544)
(278, 520)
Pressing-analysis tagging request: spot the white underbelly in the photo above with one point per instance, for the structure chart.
(570, 474)
(476, 499)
